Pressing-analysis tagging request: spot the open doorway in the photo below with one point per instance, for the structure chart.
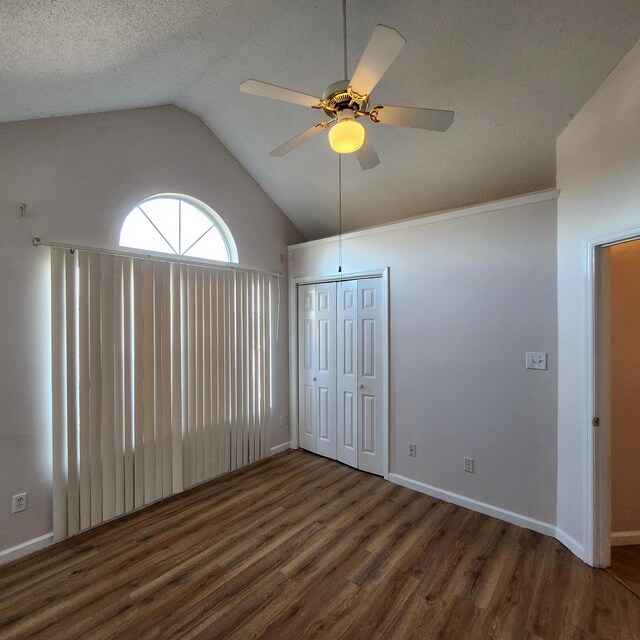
(618, 381)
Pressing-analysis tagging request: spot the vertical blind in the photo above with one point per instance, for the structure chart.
(161, 380)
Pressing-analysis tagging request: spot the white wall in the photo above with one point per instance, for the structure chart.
(598, 169)
(79, 177)
(468, 297)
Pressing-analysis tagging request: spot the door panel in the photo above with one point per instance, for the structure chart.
(350, 430)
(371, 383)
(325, 323)
(368, 348)
(308, 344)
(347, 374)
(308, 410)
(368, 419)
(323, 414)
(306, 367)
(324, 365)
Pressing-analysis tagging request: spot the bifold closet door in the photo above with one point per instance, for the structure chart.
(307, 367)
(347, 372)
(326, 368)
(341, 371)
(371, 375)
(317, 368)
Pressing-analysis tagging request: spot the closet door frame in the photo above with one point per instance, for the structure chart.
(293, 349)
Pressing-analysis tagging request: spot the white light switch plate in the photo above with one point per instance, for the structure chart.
(536, 360)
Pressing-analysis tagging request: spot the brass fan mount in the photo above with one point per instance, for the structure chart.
(339, 96)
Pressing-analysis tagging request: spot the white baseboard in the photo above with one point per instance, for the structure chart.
(25, 548)
(623, 538)
(475, 505)
(571, 543)
(279, 448)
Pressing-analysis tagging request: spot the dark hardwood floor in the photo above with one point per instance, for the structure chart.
(298, 546)
(625, 566)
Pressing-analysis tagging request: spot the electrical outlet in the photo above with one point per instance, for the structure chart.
(468, 465)
(536, 360)
(19, 503)
(412, 449)
(283, 421)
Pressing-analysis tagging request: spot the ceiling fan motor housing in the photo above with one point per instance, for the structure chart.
(337, 99)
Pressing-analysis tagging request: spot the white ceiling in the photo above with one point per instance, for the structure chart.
(514, 72)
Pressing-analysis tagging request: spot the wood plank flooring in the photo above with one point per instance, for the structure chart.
(297, 546)
(625, 566)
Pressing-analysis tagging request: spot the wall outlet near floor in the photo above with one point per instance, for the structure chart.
(19, 503)
(468, 465)
(283, 421)
(412, 449)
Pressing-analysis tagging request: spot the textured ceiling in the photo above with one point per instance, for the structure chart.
(514, 71)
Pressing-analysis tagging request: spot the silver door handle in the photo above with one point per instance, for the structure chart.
(314, 380)
(361, 386)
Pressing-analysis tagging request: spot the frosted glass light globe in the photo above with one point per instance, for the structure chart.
(347, 136)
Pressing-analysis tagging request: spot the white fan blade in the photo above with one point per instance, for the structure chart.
(382, 49)
(432, 119)
(266, 90)
(366, 154)
(290, 145)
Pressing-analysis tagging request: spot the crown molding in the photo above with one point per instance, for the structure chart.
(452, 214)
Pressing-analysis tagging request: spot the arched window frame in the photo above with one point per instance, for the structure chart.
(204, 208)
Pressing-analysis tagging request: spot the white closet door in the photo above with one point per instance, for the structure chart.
(307, 367)
(347, 372)
(371, 375)
(326, 369)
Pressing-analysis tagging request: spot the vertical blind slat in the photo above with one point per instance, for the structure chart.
(233, 372)
(267, 376)
(158, 418)
(240, 371)
(167, 444)
(258, 371)
(118, 385)
(71, 287)
(256, 359)
(261, 395)
(85, 403)
(176, 377)
(58, 393)
(263, 333)
(128, 383)
(138, 341)
(148, 376)
(199, 387)
(224, 456)
(255, 377)
(215, 373)
(191, 388)
(206, 373)
(95, 369)
(107, 409)
(249, 368)
(184, 355)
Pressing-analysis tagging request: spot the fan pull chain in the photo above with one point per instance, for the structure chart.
(344, 43)
(344, 36)
(340, 213)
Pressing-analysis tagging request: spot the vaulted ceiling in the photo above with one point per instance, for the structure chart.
(515, 73)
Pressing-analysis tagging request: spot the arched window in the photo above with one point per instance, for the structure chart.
(179, 225)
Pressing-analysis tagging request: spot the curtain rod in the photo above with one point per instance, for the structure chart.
(37, 242)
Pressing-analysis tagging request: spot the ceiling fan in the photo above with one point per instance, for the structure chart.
(346, 101)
